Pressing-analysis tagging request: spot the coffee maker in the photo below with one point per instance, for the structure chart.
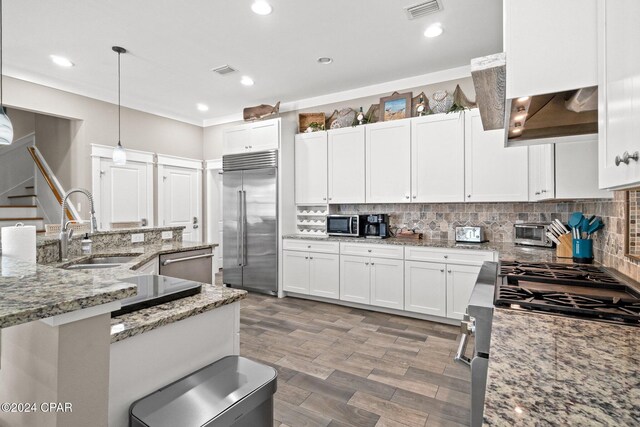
(376, 226)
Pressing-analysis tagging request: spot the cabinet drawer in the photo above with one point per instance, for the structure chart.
(311, 246)
(375, 250)
(450, 256)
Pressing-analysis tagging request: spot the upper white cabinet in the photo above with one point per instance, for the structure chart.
(346, 165)
(311, 168)
(437, 158)
(618, 93)
(541, 172)
(250, 137)
(551, 45)
(576, 165)
(493, 173)
(388, 162)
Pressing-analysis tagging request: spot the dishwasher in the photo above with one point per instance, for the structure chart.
(193, 265)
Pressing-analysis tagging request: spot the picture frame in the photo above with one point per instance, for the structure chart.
(395, 106)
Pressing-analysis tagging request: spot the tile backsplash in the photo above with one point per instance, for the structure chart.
(438, 221)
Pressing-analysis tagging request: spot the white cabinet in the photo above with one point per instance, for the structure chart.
(576, 163)
(251, 137)
(295, 277)
(374, 281)
(311, 273)
(541, 172)
(425, 288)
(311, 168)
(551, 45)
(346, 165)
(324, 275)
(355, 279)
(460, 282)
(618, 92)
(387, 283)
(437, 158)
(150, 267)
(388, 162)
(493, 173)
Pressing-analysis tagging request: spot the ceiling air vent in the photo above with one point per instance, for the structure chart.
(422, 9)
(225, 69)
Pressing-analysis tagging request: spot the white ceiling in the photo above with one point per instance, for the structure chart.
(174, 44)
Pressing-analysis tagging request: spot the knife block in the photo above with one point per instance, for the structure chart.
(565, 248)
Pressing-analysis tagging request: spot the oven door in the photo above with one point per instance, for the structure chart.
(341, 225)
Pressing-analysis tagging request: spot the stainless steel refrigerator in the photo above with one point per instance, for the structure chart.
(250, 221)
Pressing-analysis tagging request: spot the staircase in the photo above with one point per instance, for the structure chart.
(22, 208)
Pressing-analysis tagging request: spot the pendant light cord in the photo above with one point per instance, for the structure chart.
(118, 94)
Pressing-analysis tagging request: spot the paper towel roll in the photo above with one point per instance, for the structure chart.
(19, 242)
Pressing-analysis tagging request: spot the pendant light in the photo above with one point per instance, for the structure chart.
(6, 128)
(119, 155)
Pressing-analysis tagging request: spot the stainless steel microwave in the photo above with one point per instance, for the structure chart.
(532, 235)
(345, 225)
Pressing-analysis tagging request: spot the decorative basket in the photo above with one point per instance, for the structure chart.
(441, 101)
(305, 119)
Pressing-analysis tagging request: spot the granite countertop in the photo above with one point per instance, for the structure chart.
(547, 370)
(506, 250)
(141, 321)
(34, 291)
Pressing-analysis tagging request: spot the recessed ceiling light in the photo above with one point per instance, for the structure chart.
(61, 61)
(523, 99)
(433, 30)
(202, 107)
(325, 60)
(246, 80)
(261, 7)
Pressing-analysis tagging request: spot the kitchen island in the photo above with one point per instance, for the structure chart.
(547, 370)
(98, 364)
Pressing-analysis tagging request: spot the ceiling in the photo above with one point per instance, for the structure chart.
(174, 44)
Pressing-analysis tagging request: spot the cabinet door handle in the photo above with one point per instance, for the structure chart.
(406, 197)
(324, 198)
(306, 257)
(309, 247)
(366, 263)
(468, 196)
(369, 250)
(415, 196)
(448, 271)
(372, 264)
(310, 257)
(544, 191)
(626, 157)
(537, 193)
(442, 270)
(446, 256)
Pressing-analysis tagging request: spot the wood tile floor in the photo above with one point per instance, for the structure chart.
(339, 366)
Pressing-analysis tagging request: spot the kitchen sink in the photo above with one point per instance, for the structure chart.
(100, 262)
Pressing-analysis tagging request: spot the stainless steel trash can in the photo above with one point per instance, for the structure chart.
(234, 391)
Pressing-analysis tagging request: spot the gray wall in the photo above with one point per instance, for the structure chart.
(96, 122)
(212, 136)
(53, 139)
(24, 122)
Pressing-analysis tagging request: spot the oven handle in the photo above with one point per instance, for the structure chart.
(466, 329)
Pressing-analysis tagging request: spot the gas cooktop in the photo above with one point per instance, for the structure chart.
(567, 289)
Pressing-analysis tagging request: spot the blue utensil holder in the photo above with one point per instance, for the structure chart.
(583, 251)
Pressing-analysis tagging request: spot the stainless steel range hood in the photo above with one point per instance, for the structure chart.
(531, 119)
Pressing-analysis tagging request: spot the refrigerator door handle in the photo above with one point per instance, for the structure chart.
(244, 227)
(239, 232)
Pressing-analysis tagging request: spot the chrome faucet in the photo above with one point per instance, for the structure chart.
(65, 233)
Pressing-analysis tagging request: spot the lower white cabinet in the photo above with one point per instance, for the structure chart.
(354, 279)
(425, 288)
(324, 275)
(311, 273)
(374, 281)
(295, 276)
(460, 282)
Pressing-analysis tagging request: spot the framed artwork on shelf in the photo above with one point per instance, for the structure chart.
(395, 107)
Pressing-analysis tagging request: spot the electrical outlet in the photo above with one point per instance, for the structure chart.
(137, 238)
(167, 235)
